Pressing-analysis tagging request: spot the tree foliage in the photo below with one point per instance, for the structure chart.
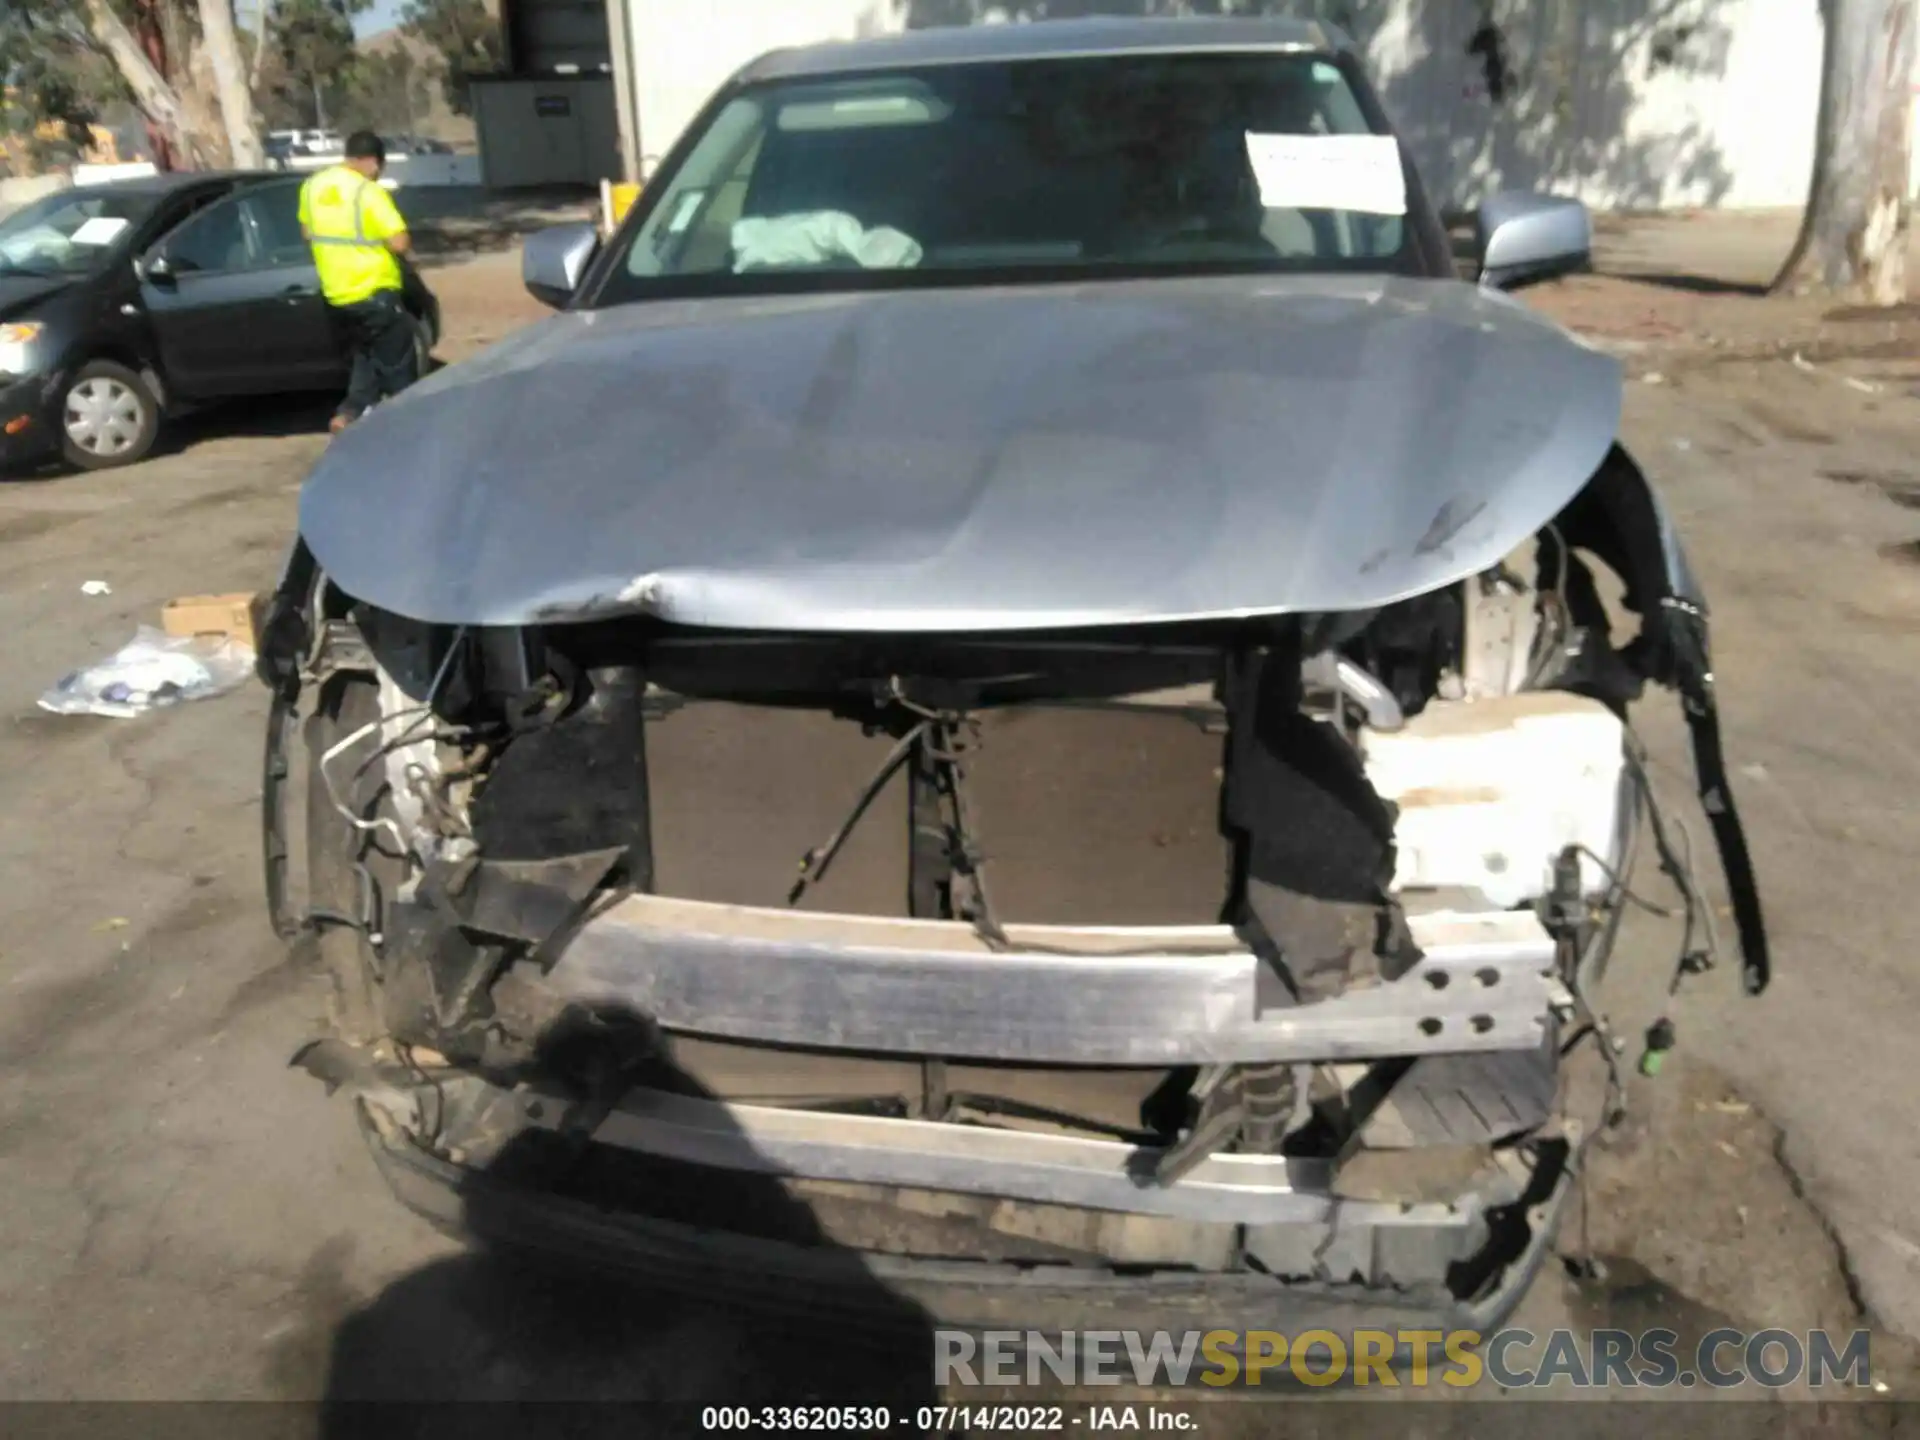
(311, 55)
(389, 91)
(55, 74)
(465, 37)
(72, 63)
(310, 72)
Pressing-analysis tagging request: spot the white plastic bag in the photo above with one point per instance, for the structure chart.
(153, 671)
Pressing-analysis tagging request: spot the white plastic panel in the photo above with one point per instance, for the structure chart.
(1492, 791)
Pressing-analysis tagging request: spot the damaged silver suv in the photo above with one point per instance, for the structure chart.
(1022, 667)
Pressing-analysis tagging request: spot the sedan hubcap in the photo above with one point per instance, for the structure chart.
(103, 416)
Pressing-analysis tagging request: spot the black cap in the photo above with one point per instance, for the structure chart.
(365, 145)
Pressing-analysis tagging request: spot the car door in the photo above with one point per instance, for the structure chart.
(122, 321)
(207, 297)
(301, 346)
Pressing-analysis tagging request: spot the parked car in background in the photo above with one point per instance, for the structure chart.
(283, 147)
(122, 304)
(305, 142)
(416, 145)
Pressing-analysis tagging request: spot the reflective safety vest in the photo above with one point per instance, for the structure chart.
(349, 219)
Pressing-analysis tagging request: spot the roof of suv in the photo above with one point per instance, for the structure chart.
(1047, 40)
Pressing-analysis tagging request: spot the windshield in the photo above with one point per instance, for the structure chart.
(71, 233)
(1130, 164)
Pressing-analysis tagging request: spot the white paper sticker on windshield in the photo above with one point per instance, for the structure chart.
(1359, 173)
(100, 230)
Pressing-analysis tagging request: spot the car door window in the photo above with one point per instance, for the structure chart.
(275, 212)
(211, 242)
(177, 211)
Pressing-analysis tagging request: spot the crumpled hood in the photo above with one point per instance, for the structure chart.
(966, 459)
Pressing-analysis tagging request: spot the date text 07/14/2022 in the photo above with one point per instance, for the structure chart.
(943, 1420)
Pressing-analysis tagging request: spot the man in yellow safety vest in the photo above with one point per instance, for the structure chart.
(357, 236)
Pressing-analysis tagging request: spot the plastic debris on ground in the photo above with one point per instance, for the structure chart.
(152, 672)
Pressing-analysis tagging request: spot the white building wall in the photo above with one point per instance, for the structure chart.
(684, 50)
(1628, 104)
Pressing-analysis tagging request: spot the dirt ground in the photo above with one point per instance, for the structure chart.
(186, 1218)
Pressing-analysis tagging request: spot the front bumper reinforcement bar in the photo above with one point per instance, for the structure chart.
(1061, 995)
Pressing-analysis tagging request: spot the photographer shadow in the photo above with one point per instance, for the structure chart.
(565, 1297)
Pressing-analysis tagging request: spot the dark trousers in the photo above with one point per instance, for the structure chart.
(380, 339)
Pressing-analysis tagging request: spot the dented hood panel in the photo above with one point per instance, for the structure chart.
(971, 459)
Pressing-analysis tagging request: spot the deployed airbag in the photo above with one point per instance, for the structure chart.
(819, 237)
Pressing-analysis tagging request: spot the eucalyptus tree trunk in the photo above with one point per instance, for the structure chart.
(230, 81)
(1854, 237)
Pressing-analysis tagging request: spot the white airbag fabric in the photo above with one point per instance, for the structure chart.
(816, 237)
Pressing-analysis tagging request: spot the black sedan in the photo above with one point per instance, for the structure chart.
(122, 304)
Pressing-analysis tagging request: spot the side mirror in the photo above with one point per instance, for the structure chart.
(155, 269)
(1523, 237)
(553, 261)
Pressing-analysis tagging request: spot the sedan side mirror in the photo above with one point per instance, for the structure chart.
(1523, 237)
(554, 260)
(154, 268)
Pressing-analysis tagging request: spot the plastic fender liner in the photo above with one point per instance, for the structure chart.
(1619, 517)
(286, 628)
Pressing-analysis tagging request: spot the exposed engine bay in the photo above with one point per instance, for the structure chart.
(1241, 953)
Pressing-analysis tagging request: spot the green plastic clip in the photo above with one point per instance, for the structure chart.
(1659, 1042)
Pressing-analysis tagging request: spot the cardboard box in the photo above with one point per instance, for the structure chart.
(234, 617)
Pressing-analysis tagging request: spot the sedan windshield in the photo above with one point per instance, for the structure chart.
(71, 233)
(1058, 168)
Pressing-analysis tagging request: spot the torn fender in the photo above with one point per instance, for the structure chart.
(1620, 517)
